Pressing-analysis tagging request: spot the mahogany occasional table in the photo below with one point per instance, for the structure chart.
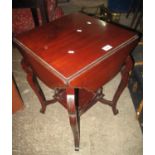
(76, 55)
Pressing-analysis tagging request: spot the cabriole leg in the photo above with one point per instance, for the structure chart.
(31, 78)
(123, 83)
(73, 116)
(124, 80)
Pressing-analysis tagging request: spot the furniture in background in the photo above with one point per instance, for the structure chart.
(136, 78)
(90, 7)
(26, 14)
(136, 7)
(95, 8)
(107, 10)
(135, 84)
(111, 10)
(73, 67)
(136, 90)
(17, 103)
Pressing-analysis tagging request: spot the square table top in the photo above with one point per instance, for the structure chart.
(74, 43)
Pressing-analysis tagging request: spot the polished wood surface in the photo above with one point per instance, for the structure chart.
(56, 40)
(76, 55)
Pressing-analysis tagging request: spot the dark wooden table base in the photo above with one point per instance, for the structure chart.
(75, 100)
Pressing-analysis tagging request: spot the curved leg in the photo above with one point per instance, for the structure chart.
(31, 78)
(124, 80)
(73, 116)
